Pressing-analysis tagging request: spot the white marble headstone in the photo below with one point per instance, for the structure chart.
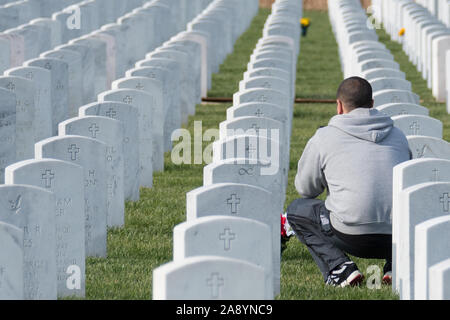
(33, 209)
(75, 72)
(88, 69)
(429, 147)
(11, 262)
(247, 145)
(261, 127)
(7, 130)
(447, 78)
(432, 246)
(140, 101)
(26, 126)
(440, 47)
(398, 109)
(439, 284)
(43, 99)
(5, 53)
(101, 67)
(59, 88)
(91, 155)
(65, 180)
(263, 95)
(226, 237)
(129, 116)
(366, 65)
(110, 132)
(383, 73)
(209, 278)
(390, 83)
(262, 109)
(240, 171)
(168, 71)
(238, 200)
(420, 203)
(417, 125)
(394, 96)
(153, 87)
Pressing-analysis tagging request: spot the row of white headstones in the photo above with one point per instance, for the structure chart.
(56, 206)
(421, 187)
(426, 39)
(84, 16)
(15, 13)
(52, 23)
(422, 264)
(223, 250)
(85, 65)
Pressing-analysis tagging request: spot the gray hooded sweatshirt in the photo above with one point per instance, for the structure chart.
(353, 158)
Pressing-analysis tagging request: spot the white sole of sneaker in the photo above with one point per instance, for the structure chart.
(354, 279)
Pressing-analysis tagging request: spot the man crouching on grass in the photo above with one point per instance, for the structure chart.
(353, 158)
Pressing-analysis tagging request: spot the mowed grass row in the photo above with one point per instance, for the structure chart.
(318, 76)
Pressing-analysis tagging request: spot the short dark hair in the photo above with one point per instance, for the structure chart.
(355, 92)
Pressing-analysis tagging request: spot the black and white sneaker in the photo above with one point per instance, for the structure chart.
(347, 274)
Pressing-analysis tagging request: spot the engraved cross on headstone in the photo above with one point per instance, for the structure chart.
(93, 129)
(128, 100)
(234, 201)
(111, 113)
(73, 150)
(445, 200)
(47, 177)
(227, 236)
(139, 86)
(259, 113)
(415, 127)
(11, 86)
(215, 282)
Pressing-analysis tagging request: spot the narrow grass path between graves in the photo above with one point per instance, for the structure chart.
(318, 76)
(146, 240)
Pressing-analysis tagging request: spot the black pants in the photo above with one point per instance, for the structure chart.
(310, 220)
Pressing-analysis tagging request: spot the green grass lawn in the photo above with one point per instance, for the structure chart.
(146, 240)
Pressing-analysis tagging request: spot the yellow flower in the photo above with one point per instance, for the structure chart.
(304, 22)
(402, 31)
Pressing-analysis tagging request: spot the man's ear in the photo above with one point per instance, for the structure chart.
(339, 107)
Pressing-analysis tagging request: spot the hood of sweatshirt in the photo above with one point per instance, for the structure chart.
(363, 123)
